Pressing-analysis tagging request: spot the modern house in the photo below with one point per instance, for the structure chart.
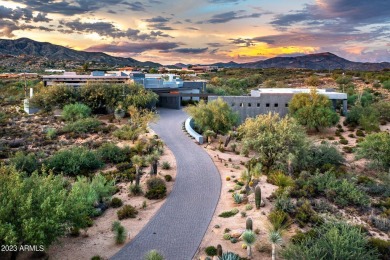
(265, 100)
(171, 89)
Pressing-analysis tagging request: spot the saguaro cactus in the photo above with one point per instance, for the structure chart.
(258, 196)
(249, 224)
(219, 250)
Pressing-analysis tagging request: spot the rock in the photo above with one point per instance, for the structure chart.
(262, 204)
(237, 233)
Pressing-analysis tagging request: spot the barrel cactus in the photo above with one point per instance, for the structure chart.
(258, 196)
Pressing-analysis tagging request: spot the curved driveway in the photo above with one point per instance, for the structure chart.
(179, 226)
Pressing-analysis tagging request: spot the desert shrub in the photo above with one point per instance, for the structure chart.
(360, 133)
(3, 118)
(383, 108)
(51, 133)
(211, 250)
(382, 246)
(74, 161)
(284, 203)
(96, 257)
(301, 236)
(74, 112)
(127, 211)
(154, 182)
(158, 192)
(168, 178)
(332, 240)
(278, 219)
(376, 147)
(343, 141)
(313, 81)
(124, 166)
(381, 223)
(166, 166)
(305, 214)
(342, 191)
(116, 202)
(110, 153)
(347, 149)
(27, 163)
(280, 179)
(156, 188)
(320, 155)
(85, 125)
(154, 255)
(228, 214)
(120, 232)
(135, 189)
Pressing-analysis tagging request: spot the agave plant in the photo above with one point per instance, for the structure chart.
(237, 198)
(229, 256)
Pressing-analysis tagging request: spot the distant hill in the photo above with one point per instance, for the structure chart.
(52, 52)
(318, 61)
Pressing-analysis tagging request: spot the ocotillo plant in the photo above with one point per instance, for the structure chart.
(249, 224)
(258, 196)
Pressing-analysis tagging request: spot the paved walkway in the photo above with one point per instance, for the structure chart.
(179, 226)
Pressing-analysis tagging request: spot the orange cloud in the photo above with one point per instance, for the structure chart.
(266, 51)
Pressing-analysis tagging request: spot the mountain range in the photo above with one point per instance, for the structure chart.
(26, 46)
(27, 51)
(317, 61)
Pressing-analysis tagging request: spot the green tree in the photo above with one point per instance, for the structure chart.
(272, 138)
(36, 210)
(215, 115)
(332, 240)
(376, 147)
(313, 110)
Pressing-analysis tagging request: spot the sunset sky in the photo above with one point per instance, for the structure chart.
(205, 31)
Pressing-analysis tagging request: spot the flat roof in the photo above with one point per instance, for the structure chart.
(292, 90)
(327, 92)
(83, 77)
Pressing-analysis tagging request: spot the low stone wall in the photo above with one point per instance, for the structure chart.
(192, 132)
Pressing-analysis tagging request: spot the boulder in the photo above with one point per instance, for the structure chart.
(237, 233)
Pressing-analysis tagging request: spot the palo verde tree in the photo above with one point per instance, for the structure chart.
(215, 115)
(38, 209)
(273, 139)
(313, 110)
